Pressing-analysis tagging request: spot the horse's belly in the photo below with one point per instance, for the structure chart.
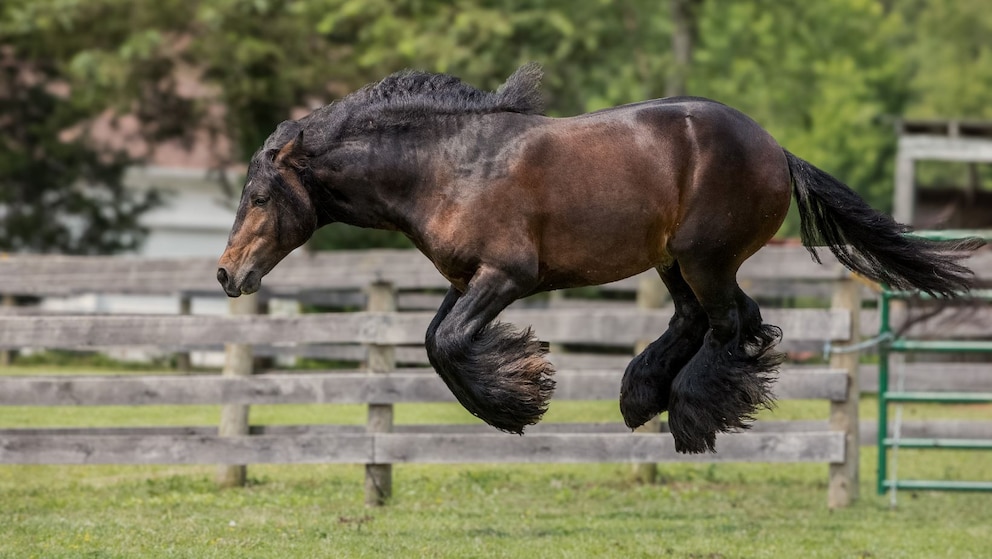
(604, 255)
(608, 202)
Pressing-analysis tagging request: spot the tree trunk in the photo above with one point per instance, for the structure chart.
(684, 24)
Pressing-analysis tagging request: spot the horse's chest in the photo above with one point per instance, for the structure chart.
(458, 271)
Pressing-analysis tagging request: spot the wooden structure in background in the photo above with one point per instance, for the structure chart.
(942, 140)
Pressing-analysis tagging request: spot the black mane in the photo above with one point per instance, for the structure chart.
(422, 93)
(407, 98)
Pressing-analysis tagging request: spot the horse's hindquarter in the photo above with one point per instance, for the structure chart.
(740, 190)
(606, 190)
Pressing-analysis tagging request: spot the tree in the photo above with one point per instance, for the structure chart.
(952, 59)
(685, 31)
(57, 194)
(824, 77)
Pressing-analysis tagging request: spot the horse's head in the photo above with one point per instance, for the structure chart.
(276, 214)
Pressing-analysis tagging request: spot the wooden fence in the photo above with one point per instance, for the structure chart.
(388, 336)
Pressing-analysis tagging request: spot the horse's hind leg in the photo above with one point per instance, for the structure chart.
(498, 374)
(728, 380)
(647, 382)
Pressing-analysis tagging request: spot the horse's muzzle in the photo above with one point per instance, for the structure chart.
(249, 284)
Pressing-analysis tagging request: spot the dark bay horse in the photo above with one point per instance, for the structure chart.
(507, 202)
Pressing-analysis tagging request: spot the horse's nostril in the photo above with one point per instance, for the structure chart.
(222, 276)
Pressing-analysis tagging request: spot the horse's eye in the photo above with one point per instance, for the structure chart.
(260, 200)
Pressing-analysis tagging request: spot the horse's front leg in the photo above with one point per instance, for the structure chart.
(498, 374)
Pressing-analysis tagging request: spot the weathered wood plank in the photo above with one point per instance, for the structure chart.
(417, 355)
(579, 448)
(945, 148)
(948, 429)
(971, 321)
(411, 448)
(55, 275)
(599, 326)
(614, 326)
(948, 377)
(302, 388)
(933, 377)
(405, 355)
(330, 388)
(158, 330)
(792, 384)
(202, 449)
(936, 429)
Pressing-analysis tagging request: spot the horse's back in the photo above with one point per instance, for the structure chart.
(629, 182)
(674, 129)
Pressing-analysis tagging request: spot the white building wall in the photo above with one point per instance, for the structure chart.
(196, 217)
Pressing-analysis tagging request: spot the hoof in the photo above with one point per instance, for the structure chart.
(502, 377)
(719, 391)
(643, 393)
(646, 387)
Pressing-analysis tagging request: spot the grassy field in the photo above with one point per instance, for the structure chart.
(535, 511)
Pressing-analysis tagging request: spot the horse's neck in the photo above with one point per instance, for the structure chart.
(405, 177)
(383, 196)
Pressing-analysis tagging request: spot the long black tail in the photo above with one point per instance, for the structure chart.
(872, 243)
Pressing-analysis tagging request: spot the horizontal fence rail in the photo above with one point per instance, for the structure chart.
(613, 326)
(868, 429)
(335, 388)
(777, 265)
(429, 448)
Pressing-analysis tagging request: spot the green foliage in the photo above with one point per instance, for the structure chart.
(823, 77)
(826, 78)
(59, 195)
(58, 192)
(952, 58)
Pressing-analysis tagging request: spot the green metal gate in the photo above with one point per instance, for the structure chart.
(891, 443)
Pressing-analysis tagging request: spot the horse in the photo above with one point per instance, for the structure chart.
(507, 202)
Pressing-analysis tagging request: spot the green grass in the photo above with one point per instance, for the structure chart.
(473, 511)
(535, 511)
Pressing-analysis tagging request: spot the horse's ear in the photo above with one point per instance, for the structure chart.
(292, 154)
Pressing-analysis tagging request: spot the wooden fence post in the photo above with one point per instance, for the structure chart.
(651, 294)
(238, 362)
(7, 355)
(183, 362)
(842, 487)
(381, 359)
